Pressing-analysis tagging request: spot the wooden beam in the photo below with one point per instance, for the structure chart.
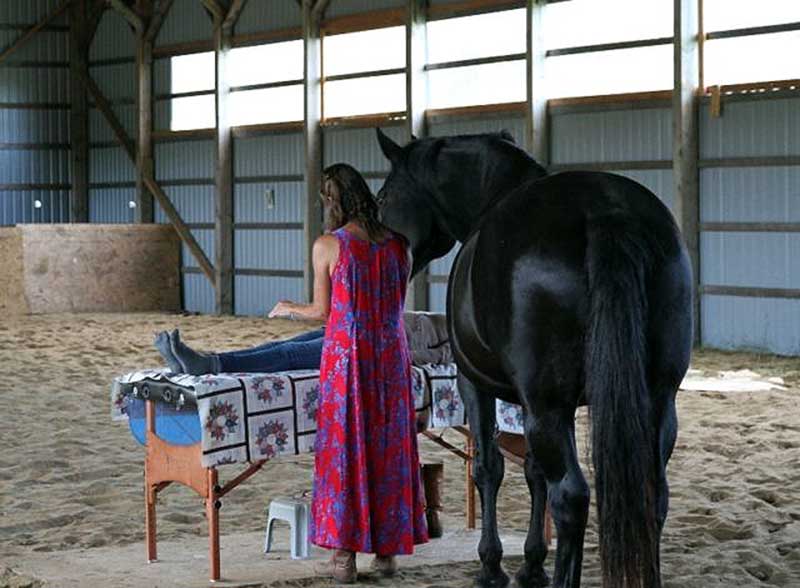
(416, 105)
(79, 113)
(145, 163)
(159, 14)
(233, 14)
(29, 34)
(223, 219)
(149, 181)
(389, 17)
(685, 123)
(128, 14)
(215, 8)
(537, 125)
(313, 137)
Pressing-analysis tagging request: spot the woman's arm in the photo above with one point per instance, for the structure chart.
(323, 257)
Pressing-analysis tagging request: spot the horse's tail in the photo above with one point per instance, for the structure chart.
(621, 415)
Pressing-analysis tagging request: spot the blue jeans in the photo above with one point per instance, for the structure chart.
(303, 352)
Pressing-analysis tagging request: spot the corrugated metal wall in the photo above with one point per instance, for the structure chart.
(753, 193)
(259, 16)
(34, 117)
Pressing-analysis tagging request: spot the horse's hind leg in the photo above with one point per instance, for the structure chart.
(488, 473)
(532, 574)
(552, 440)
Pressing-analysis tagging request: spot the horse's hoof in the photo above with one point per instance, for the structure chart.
(497, 580)
(526, 578)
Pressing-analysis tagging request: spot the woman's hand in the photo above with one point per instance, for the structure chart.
(284, 309)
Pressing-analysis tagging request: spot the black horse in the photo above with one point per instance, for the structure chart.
(569, 289)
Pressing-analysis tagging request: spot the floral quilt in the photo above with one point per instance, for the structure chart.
(256, 417)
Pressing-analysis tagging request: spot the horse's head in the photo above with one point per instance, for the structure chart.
(407, 206)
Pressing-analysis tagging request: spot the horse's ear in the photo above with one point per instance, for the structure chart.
(505, 134)
(390, 149)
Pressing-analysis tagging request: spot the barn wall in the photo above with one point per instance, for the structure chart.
(34, 117)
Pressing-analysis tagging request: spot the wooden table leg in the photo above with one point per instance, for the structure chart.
(212, 514)
(470, 484)
(149, 489)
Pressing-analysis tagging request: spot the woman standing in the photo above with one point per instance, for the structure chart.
(367, 492)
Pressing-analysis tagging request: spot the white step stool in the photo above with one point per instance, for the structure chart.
(294, 512)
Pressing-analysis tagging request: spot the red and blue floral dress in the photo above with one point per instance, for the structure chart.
(367, 491)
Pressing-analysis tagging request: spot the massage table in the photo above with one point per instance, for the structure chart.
(192, 425)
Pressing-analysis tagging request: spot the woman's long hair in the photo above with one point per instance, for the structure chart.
(347, 198)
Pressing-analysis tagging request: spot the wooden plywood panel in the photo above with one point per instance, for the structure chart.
(101, 268)
(12, 288)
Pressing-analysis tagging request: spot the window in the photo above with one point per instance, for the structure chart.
(266, 83)
(192, 84)
(488, 69)
(364, 72)
(743, 46)
(581, 63)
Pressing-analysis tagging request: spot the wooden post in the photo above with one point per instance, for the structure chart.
(685, 126)
(416, 105)
(145, 212)
(536, 139)
(212, 516)
(313, 136)
(79, 112)
(224, 301)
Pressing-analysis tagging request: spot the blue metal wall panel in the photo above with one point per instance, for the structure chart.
(116, 81)
(251, 204)
(263, 15)
(50, 46)
(763, 324)
(198, 295)
(110, 164)
(195, 204)
(185, 160)
(162, 75)
(257, 295)
(768, 260)
(346, 7)
(205, 239)
(187, 21)
(26, 12)
(19, 206)
(268, 249)
(34, 126)
(613, 135)
(359, 147)
(31, 166)
(659, 181)
(27, 84)
(750, 194)
(114, 38)
(111, 205)
(437, 297)
(270, 155)
(514, 125)
(100, 130)
(754, 128)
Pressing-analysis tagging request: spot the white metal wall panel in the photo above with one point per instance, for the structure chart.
(195, 204)
(270, 155)
(750, 194)
(612, 135)
(359, 147)
(751, 128)
(268, 249)
(198, 295)
(764, 324)
(187, 21)
(110, 164)
(185, 160)
(19, 206)
(437, 297)
(766, 260)
(28, 84)
(114, 38)
(34, 126)
(257, 295)
(269, 15)
(111, 205)
(205, 239)
(33, 166)
(253, 206)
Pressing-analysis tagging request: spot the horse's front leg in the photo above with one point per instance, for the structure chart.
(488, 470)
(532, 574)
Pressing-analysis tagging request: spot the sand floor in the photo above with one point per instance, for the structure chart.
(71, 480)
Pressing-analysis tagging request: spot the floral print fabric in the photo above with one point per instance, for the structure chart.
(367, 489)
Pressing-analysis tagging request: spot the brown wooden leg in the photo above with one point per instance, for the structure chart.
(470, 484)
(212, 514)
(149, 489)
(548, 526)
